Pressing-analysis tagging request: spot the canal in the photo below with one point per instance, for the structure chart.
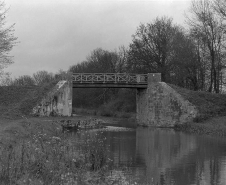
(163, 156)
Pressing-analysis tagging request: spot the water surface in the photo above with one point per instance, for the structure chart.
(164, 156)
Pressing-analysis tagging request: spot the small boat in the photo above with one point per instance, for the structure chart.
(90, 123)
(69, 125)
(72, 125)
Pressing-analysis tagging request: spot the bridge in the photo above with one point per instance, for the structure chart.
(109, 80)
(158, 104)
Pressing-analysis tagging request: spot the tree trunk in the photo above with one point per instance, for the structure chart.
(215, 80)
(213, 70)
(211, 81)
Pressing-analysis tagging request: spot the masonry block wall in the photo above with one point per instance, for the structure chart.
(56, 102)
(142, 105)
(161, 106)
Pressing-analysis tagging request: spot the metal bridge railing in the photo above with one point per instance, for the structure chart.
(109, 78)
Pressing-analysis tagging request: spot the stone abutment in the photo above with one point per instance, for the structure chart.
(161, 106)
(58, 102)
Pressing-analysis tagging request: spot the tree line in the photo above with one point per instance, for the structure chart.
(192, 58)
(38, 78)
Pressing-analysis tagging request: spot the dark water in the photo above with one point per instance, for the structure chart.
(164, 156)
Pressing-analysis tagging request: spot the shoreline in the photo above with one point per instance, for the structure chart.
(215, 126)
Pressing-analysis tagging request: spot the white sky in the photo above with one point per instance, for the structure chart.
(56, 34)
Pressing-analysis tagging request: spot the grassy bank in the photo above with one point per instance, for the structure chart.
(212, 112)
(36, 151)
(215, 126)
(18, 101)
(208, 104)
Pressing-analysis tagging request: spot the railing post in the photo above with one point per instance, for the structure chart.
(138, 78)
(154, 77)
(127, 78)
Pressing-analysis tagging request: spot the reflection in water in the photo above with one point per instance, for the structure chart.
(122, 147)
(163, 156)
(162, 150)
(177, 158)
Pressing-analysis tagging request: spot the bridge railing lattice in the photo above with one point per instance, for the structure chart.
(109, 78)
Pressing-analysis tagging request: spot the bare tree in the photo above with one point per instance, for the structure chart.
(220, 7)
(24, 80)
(209, 26)
(153, 48)
(5, 79)
(102, 61)
(202, 58)
(7, 39)
(121, 65)
(42, 77)
(186, 67)
(99, 61)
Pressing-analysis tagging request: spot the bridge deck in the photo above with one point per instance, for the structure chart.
(109, 80)
(106, 85)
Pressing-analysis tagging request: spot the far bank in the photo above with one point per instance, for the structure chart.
(215, 126)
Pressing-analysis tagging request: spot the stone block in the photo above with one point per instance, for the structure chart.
(161, 106)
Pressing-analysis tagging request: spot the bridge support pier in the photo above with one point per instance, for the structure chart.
(161, 106)
(142, 102)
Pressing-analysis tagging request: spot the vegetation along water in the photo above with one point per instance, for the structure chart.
(36, 151)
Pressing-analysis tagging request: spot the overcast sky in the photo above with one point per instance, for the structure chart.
(56, 34)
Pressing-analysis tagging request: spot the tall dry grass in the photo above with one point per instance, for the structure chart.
(48, 156)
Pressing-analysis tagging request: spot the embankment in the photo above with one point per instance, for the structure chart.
(211, 119)
(18, 101)
(208, 104)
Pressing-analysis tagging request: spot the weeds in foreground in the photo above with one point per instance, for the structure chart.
(54, 158)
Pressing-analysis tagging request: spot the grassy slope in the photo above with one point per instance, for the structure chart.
(19, 100)
(212, 109)
(16, 101)
(208, 104)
